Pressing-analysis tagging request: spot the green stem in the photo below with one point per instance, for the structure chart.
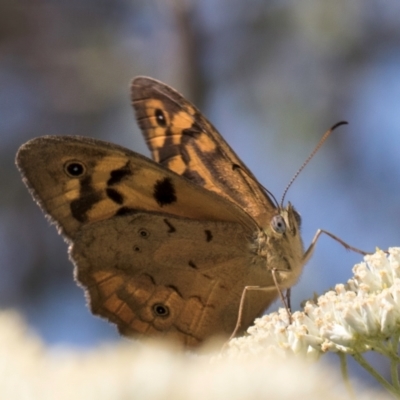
(394, 375)
(394, 362)
(394, 356)
(360, 359)
(345, 373)
(389, 351)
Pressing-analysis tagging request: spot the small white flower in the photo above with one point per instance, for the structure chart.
(352, 318)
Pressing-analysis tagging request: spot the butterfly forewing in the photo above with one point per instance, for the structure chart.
(181, 139)
(110, 181)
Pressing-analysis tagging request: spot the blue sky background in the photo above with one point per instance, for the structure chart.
(271, 76)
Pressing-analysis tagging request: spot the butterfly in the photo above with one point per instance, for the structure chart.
(166, 247)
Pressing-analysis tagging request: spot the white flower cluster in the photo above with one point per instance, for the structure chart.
(352, 318)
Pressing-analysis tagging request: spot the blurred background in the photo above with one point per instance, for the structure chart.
(272, 76)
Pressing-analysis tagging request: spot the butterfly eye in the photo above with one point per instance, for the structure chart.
(74, 169)
(278, 224)
(160, 117)
(160, 310)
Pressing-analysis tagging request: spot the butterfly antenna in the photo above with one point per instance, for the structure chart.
(317, 147)
(271, 195)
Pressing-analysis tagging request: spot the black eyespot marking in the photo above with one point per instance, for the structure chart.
(160, 310)
(74, 169)
(125, 211)
(164, 192)
(136, 249)
(115, 196)
(278, 224)
(160, 117)
(144, 233)
(118, 175)
(192, 264)
(209, 235)
(171, 229)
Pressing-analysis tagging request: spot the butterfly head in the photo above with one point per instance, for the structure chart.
(284, 245)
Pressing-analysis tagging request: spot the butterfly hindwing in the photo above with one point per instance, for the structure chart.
(146, 273)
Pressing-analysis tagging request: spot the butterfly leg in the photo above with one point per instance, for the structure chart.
(285, 299)
(241, 304)
(311, 248)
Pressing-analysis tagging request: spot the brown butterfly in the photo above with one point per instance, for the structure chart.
(166, 247)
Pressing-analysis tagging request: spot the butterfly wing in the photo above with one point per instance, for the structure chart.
(78, 180)
(181, 139)
(153, 274)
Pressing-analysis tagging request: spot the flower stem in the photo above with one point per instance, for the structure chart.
(361, 360)
(394, 362)
(394, 375)
(345, 373)
(389, 350)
